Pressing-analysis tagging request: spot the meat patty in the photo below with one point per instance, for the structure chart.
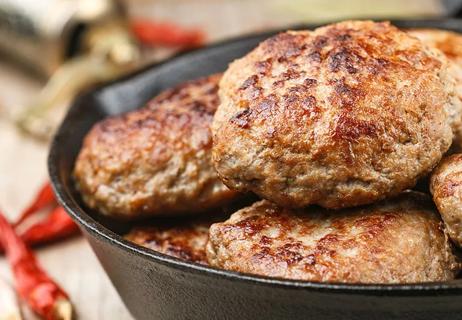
(342, 116)
(396, 241)
(446, 187)
(182, 239)
(155, 161)
(450, 43)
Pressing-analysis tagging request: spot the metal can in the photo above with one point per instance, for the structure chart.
(43, 34)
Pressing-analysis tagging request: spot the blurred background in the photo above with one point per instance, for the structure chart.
(51, 50)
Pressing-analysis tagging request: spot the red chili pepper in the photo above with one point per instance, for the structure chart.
(57, 225)
(167, 34)
(40, 292)
(43, 199)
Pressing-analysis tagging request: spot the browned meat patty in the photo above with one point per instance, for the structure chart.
(397, 241)
(155, 161)
(450, 43)
(182, 239)
(446, 187)
(342, 116)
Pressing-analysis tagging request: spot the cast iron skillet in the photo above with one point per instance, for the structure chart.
(156, 286)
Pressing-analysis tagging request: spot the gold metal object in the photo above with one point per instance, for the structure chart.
(43, 34)
(38, 119)
(77, 42)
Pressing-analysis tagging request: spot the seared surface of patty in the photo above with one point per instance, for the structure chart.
(342, 116)
(182, 239)
(450, 43)
(446, 187)
(396, 241)
(155, 161)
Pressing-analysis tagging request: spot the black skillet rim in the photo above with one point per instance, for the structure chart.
(100, 231)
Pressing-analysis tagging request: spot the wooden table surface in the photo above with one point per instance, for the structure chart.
(23, 160)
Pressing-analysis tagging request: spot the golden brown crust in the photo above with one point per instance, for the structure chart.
(341, 116)
(446, 188)
(450, 43)
(182, 239)
(399, 241)
(156, 160)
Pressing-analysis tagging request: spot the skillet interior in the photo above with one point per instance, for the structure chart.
(133, 91)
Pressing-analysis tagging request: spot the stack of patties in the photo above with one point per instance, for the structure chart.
(331, 128)
(346, 116)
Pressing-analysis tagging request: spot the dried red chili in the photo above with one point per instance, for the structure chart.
(43, 199)
(33, 285)
(167, 34)
(57, 225)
